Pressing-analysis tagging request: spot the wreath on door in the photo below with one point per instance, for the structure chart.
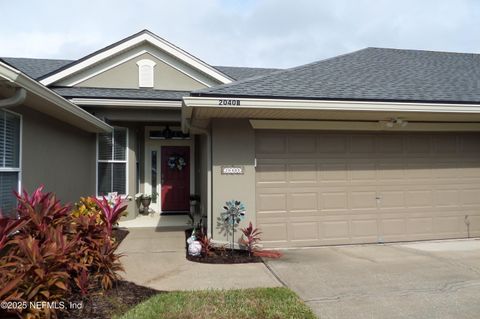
(176, 162)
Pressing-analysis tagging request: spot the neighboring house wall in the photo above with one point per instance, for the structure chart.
(233, 143)
(56, 155)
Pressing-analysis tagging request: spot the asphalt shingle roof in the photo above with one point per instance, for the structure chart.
(240, 73)
(36, 68)
(137, 94)
(369, 74)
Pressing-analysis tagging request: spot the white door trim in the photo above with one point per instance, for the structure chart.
(156, 145)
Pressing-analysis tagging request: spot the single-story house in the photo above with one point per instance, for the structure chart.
(378, 145)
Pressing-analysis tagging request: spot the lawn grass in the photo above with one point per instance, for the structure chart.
(265, 303)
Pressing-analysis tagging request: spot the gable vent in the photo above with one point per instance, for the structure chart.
(145, 73)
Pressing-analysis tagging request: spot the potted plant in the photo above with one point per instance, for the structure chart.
(146, 200)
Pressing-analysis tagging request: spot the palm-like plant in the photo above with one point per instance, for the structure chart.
(252, 238)
(111, 213)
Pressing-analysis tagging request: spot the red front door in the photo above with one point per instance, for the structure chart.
(175, 178)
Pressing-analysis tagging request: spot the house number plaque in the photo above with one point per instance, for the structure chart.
(232, 170)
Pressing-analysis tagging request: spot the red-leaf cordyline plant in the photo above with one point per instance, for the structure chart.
(42, 211)
(111, 214)
(207, 245)
(251, 239)
(8, 227)
(53, 252)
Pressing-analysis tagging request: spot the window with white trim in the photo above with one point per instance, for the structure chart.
(10, 125)
(145, 73)
(112, 162)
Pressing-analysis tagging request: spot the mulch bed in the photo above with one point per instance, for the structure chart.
(222, 256)
(115, 301)
(119, 234)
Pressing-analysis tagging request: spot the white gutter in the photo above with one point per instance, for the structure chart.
(20, 79)
(257, 103)
(126, 103)
(17, 99)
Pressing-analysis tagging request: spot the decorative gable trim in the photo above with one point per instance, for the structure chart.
(128, 43)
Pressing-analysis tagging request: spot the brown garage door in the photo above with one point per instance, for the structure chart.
(340, 188)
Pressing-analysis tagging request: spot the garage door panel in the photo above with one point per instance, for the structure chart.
(302, 173)
(391, 199)
(418, 145)
(272, 202)
(302, 144)
(332, 144)
(274, 232)
(317, 188)
(334, 200)
(300, 202)
(362, 144)
(333, 172)
(445, 144)
(389, 144)
(362, 200)
(446, 197)
(304, 231)
(470, 197)
(419, 198)
(271, 144)
(393, 227)
(420, 225)
(268, 173)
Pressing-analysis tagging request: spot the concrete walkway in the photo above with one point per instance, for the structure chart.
(418, 280)
(156, 258)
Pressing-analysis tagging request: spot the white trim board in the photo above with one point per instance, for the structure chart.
(129, 58)
(128, 44)
(253, 103)
(126, 103)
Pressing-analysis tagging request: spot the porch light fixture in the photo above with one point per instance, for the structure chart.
(167, 133)
(394, 122)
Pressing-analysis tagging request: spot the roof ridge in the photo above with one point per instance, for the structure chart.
(49, 59)
(424, 50)
(280, 71)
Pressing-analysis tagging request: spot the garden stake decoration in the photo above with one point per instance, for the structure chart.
(232, 216)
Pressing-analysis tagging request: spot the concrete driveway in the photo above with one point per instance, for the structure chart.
(418, 280)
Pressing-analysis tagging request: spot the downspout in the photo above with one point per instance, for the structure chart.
(17, 99)
(206, 132)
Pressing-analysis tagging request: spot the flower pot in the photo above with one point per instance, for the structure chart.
(146, 201)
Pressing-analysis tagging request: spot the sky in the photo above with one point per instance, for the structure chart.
(257, 33)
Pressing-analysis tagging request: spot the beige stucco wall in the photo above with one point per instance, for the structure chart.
(125, 75)
(56, 155)
(233, 143)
